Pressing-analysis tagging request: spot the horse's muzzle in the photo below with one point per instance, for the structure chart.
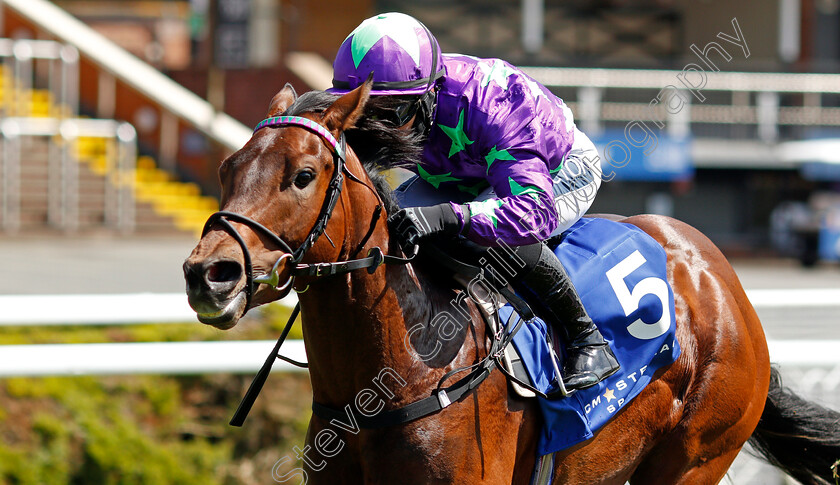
(215, 291)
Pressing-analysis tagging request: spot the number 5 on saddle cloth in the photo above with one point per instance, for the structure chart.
(620, 274)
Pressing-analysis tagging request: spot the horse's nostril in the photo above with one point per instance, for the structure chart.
(223, 272)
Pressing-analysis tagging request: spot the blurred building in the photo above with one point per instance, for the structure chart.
(746, 81)
(720, 162)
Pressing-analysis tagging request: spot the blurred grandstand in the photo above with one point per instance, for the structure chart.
(63, 169)
(748, 158)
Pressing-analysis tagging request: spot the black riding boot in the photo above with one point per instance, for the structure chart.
(536, 273)
(589, 359)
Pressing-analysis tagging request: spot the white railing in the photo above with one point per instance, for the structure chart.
(118, 309)
(773, 82)
(31, 310)
(63, 170)
(126, 358)
(810, 367)
(59, 128)
(114, 309)
(238, 357)
(736, 118)
(767, 112)
(816, 360)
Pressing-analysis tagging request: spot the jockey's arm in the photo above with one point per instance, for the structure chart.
(520, 208)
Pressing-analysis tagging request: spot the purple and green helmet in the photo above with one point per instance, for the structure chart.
(400, 51)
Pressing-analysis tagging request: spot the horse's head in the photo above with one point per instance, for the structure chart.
(275, 205)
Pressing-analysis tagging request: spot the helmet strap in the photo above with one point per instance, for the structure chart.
(434, 45)
(428, 101)
(426, 112)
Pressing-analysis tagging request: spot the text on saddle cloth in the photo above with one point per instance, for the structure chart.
(620, 274)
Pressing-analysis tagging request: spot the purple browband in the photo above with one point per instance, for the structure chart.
(305, 123)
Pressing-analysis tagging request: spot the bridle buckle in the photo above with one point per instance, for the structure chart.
(321, 269)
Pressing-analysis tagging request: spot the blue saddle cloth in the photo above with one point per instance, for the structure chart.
(619, 272)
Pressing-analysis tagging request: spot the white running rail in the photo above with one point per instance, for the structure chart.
(244, 357)
(118, 309)
(247, 356)
(173, 308)
(238, 357)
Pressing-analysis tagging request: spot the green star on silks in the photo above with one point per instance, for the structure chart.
(435, 180)
(498, 71)
(473, 190)
(497, 155)
(531, 190)
(369, 32)
(457, 135)
(486, 208)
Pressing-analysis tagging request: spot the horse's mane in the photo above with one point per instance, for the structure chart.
(379, 146)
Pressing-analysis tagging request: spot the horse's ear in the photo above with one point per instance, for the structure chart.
(343, 114)
(282, 100)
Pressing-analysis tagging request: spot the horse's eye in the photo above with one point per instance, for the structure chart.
(302, 179)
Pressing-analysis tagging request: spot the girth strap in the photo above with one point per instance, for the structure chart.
(424, 407)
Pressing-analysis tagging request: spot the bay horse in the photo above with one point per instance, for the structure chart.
(362, 337)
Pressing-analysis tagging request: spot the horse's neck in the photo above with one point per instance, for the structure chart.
(395, 321)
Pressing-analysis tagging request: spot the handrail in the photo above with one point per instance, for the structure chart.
(63, 192)
(23, 51)
(38, 49)
(140, 76)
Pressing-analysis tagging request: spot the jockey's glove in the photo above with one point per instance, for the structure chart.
(415, 223)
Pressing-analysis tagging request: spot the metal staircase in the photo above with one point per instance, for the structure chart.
(77, 174)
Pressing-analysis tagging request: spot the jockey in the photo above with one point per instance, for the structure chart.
(502, 165)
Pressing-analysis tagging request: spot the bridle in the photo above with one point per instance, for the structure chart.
(374, 259)
(375, 256)
(441, 396)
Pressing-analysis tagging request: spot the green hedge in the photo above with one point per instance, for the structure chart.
(147, 429)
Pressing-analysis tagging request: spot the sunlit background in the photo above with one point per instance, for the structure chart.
(115, 115)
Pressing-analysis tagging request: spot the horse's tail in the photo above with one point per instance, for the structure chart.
(800, 437)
